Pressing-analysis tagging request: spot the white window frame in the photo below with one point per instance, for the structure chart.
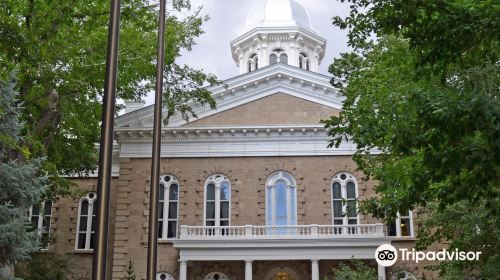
(88, 231)
(278, 53)
(217, 180)
(343, 189)
(169, 276)
(399, 233)
(253, 62)
(167, 182)
(271, 185)
(40, 217)
(306, 62)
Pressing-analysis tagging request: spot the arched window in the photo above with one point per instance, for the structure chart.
(303, 61)
(284, 58)
(164, 276)
(344, 199)
(168, 207)
(40, 216)
(281, 197)
(253, 62)
(87, 210)
(273, 59)
(217, 201)
(216, 276)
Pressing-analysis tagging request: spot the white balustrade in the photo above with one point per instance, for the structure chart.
(281, 232)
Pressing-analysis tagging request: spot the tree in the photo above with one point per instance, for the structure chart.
(130, 271)
(424, 96)
(44, 266)
(358, 270)
(21, 183)
(59, 49)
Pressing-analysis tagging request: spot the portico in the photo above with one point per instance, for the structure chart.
(312, 243)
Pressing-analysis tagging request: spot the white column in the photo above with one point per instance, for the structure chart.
(183, 270)
(315, 270)
(248, 270)
(381, 272)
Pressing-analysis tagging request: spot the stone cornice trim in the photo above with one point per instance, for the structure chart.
(223, 133)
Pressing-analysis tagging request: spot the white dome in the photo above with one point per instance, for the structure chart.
(277, 13)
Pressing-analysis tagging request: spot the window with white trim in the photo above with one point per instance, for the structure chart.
(284, 58)
(304, 61)
(344, 199)
(217, 201)
(278, 55)
(273, 59)
(281, 199)
(402, 226)
(253, 62)
(40, 216)
(168, 207)
(86, 225)
(164, 276)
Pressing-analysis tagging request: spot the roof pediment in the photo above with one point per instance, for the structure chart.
(249, 87)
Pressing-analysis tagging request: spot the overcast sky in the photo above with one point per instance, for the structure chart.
(227, 20)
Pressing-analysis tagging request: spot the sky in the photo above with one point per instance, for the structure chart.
(227, 21)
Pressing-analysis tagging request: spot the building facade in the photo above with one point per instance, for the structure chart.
(249, 190)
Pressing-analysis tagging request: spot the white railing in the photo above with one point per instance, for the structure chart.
(281, 232)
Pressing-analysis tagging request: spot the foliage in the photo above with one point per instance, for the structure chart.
(130, 271)
(425, 96)
(443, 31)
(358, 270)
(59, 48)
(21, 182)
(44, 266)
(472, 228)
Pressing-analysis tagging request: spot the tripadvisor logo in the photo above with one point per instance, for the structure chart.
(386, 255)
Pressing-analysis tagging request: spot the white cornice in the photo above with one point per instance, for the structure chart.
(243, 141)
(281, 29)
(252, 86)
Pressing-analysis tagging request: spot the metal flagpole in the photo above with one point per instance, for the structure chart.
(106, 146)
(155, 162)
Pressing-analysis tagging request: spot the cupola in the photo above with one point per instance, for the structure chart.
(278, 31)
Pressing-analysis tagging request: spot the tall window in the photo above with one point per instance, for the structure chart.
(168, 207)
(281, 198)
(402, 226)
(278, 55)
(273, 59)
(217, 201)
(284, 58)
(87, 210)
(253, 62)
(40, 220)
(303, 61)
(344, 199)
